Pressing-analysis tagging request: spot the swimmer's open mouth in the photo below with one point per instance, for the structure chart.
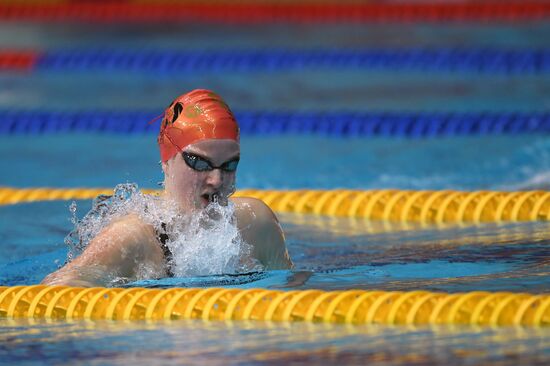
(208, 198)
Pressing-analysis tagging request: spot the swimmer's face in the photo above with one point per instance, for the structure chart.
(195, 189)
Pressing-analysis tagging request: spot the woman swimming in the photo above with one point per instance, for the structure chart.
(200, 152)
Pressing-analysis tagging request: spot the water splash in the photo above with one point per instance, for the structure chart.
(206, 243)
(537, 181)
(210, 243)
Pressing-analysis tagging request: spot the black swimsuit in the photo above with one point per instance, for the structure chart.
(163, 237)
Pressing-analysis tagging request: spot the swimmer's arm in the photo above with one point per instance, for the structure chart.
(263, 231)
(272, 251)
(117, 252)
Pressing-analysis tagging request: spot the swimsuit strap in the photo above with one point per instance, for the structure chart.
(163, 237)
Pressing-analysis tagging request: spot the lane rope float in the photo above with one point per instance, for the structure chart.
(384, 205)
(253, 12)
(166, 62)
(352, 306)
(334, 124)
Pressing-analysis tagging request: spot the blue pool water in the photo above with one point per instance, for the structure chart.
(482, 162)
(329, 253)
(242, 343)
(343, 253)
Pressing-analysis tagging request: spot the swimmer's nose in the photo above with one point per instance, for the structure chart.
(214, 178)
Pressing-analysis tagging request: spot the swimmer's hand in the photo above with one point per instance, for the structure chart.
(296, 279)
(79, 277)
(126, 249)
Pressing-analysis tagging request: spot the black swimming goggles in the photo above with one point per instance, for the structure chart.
(200, 164)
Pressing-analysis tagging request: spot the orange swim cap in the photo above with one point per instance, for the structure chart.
(198, 115)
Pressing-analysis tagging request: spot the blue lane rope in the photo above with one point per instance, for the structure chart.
(477, 60)
(278, 123)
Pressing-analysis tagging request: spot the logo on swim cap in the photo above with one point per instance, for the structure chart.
(198, 115)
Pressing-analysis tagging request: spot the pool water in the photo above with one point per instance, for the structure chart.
(342, 253)
(289, 162)
(242, 343)
(329, 253)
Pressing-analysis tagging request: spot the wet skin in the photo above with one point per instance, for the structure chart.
(127, 246)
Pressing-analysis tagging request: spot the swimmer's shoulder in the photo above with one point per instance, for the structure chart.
(250, 208)
(131, 221)
(260, 227)
(133, 230)
(140, 239)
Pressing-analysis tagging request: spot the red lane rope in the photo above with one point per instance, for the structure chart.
(18, 60)
(252, 12)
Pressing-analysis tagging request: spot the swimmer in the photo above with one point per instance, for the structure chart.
(199, 148)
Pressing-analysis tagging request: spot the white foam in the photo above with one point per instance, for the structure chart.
(540, 180)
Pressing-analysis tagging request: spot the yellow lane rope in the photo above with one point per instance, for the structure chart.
(352, 306)
(387, 205)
